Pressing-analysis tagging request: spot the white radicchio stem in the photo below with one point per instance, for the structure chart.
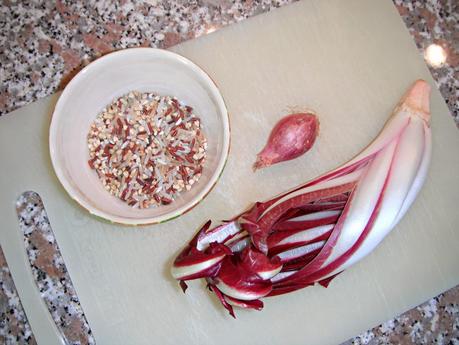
(315, 231)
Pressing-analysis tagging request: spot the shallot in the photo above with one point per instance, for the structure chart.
(313, 232)
(291, 137)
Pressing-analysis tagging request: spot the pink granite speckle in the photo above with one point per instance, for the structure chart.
(14, 326)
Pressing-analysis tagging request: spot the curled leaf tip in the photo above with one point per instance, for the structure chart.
(183, 286)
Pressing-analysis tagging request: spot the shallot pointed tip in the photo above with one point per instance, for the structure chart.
(260, 163)
(417, 99)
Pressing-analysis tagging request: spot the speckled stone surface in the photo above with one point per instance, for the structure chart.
(14, 326)
(437, 22)
(49, 271)
(43, 44)
(433, 322)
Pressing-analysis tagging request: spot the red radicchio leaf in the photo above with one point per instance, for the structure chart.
(235, 280)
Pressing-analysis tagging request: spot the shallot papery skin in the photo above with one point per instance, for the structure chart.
(313, 232)
(291, 137)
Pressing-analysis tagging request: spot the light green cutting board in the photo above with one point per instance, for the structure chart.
(350, 61)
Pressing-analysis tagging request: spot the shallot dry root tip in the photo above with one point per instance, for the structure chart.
(260, 163)
(291, 137)
(312, 233)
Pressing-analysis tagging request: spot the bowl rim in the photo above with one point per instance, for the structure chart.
(58, 113)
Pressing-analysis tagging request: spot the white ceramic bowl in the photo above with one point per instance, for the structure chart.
(97, 85)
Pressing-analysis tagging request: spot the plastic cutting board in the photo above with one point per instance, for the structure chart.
(350, 61)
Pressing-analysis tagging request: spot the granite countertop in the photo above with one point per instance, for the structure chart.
(43, 44)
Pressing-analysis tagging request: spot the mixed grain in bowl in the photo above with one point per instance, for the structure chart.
(91, 92)
(147, 149)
